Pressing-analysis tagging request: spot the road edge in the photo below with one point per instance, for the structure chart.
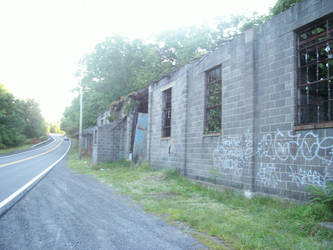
(50, 138)
(32, 148)
(10, 201)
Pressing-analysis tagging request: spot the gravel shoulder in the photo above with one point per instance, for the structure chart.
(67, 210)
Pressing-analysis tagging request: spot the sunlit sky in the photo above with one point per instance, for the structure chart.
(41, 41)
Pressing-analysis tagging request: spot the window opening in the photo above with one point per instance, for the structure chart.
(166, 119)
(213, 98)
(315, 73)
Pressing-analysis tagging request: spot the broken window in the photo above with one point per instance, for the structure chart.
(315, 73)
(166, 118)
(213, 104)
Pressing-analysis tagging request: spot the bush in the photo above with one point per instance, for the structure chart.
(20, 139)
(322, 195)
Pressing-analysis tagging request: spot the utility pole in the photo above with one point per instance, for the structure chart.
(80, 131)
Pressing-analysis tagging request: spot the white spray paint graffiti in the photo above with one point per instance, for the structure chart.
(268, 175)
(284, 147)
(233, 154)
(308, 177)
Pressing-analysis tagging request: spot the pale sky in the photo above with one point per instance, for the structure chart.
(41, 41)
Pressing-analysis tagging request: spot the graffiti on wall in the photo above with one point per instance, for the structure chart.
(268, 175)
(233, 154)
(291, 148)
(288, 146)
(308, 177)
(277, 156)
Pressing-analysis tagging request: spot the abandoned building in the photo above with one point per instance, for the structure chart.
(124, 137)
(103, 118)
(256, 114)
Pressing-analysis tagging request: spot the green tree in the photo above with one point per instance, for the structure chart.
(11, 121)
(34, 125)
(181, 46)
(70, 117)
(18, 120)
(119, 66)
(116, 67)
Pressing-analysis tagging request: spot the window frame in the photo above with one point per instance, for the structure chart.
(166, 112)
(207, 131)
(305, 46)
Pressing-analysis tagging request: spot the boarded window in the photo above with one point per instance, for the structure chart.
(166, 118)
(213, 102)
(315, 73)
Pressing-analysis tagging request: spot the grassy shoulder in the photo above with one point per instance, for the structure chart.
(15, 149)
(261, 222)
(28, 144)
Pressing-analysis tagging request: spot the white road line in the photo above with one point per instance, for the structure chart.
(41, 142)
(31, 182)
(28, 151)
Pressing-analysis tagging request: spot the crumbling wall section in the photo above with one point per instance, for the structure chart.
(111, 142)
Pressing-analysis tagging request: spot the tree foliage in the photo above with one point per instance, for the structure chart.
(34, 125)
(181, 46)
(119, 66)
(53, 128)
(70, 118)
(19, 120)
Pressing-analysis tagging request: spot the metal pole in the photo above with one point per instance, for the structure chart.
(80, 132)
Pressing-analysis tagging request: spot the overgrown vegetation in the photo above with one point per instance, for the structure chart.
(19, 120)
(323, 195)
(261, 222)
(282, 5)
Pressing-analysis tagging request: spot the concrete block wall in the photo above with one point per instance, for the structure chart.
(287, 159)
(259, 148)
(224, 158)
(168, 152)
(111, 142)
(95, 145)
(124, 146)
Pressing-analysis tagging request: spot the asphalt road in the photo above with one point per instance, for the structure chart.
(18, 169)
(67, 210)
